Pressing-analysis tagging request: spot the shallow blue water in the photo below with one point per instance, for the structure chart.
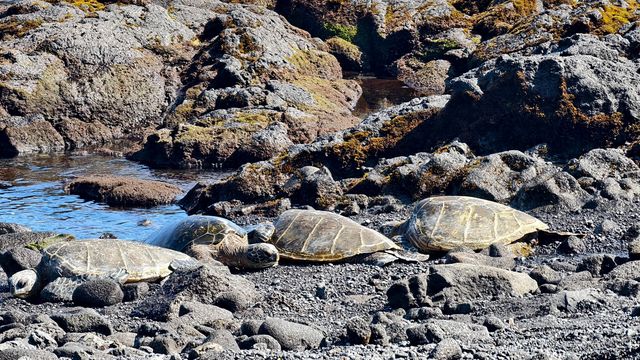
(37, 198)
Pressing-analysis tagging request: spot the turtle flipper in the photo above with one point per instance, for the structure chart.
(260, 233)
(184, 265)
(61, 289)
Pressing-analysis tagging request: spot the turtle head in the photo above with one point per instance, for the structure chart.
(262, 256)
(393, 228)
(24, 284)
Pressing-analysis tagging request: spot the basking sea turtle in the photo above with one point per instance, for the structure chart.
(321, 236)
(214, 237)
(65, 265)
(444, 223)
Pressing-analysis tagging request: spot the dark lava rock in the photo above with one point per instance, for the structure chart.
(436, 331)
(358, 331)
(632, 237)
(544, 274)
(292, 336)
(572, 245)
(82, 320)
(224, 338)
(597, 265)
(98, 293)
(18, 239)
(17, 353)
(18, 259)
(11, 228)
(423, 313)
(258, 342)
(123, 191)
(447, 349)
(251, 327)
(493, 323)
(135, 291)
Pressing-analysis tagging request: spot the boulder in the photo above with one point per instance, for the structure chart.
(468, 282)
(10, 228)
(207, 285)
(98, 293)
(123, 191)
(82, 320)
(292, 336)
(435, 331)
(18, 259)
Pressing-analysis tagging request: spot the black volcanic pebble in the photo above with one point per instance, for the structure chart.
(98, 293)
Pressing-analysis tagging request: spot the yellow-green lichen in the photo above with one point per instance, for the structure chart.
(44, 243)
(18, 28)
(615, 17)
(346, 32)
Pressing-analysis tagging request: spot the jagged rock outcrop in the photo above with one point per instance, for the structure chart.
(211, 74)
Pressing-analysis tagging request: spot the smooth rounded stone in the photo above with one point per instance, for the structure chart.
(17, 353)
(224, 338)
(11, 228)
(500, 250)
(453, 308)
(292, 336)
(597, 265)
(82, 320)
(464, 282)
(548, 288)
(18, 259)
(260, 341)
(572, 245)
(123, 191)
(493, 323)
(195, 313)
(435, 331)
(250, 327)
(358, 331)
(127, 339)
(447, 349)
(233, 301)
(544, 274)
(98, 293)
(76, 351)
(165, 344)
(89, 340)
(563, 266)
(423, 313)
(135, 291)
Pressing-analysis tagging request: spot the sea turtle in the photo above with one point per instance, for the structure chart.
(213, 237)
(321, 236)
(443, 223)
(65, 265)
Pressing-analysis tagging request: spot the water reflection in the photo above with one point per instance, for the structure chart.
(37, 199)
